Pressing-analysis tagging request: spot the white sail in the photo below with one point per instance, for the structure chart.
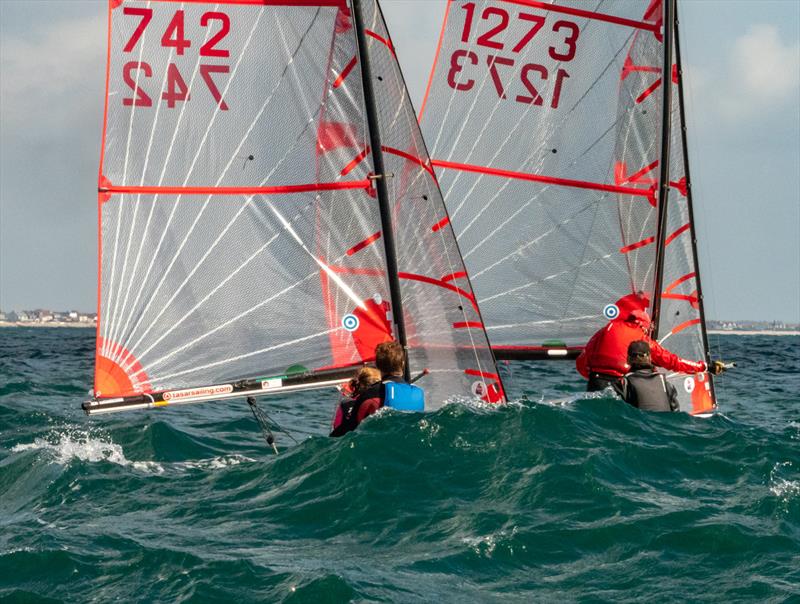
(239, 240)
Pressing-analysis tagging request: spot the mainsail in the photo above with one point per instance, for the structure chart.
(267, 210)
(547, 128)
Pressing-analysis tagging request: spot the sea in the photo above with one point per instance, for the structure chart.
(558, 496)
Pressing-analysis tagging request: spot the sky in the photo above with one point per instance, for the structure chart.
(742, 64)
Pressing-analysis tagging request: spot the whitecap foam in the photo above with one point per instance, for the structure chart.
(82, 446)
(214, 463)
(781, 487)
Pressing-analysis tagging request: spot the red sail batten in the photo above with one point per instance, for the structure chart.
(552, 180)
(279, 190)
(361, 245)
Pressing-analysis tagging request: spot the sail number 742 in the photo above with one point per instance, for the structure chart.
(134, 72)
(537, 81)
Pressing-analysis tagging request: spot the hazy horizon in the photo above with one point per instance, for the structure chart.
(742, 65)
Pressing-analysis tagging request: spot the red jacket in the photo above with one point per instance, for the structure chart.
(607, 351)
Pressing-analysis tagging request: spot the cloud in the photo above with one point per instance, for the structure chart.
(764, 74)
(50, 76)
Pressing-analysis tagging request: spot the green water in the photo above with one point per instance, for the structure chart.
(583, 500)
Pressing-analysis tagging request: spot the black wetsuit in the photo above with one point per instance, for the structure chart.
(600, 381)
(351, 409)
(648, 390)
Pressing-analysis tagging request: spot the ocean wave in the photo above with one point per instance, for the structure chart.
(64, 448)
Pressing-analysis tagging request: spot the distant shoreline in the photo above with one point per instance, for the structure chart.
(715, 332)
(753, 332)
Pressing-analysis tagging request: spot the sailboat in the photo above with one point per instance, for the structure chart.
(558, 132)
(267, 210)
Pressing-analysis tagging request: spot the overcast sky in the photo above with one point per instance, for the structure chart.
(742, 60)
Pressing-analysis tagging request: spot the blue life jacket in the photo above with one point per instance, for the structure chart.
(404, 397)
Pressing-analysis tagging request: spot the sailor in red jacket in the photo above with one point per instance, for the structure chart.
(604, 360)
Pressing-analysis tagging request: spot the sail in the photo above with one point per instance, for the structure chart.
(239, 239)
(545, 122)
(682, 325)
(444, 327)
(531, 120)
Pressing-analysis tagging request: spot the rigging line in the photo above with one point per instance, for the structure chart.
(511, 133)
(131, 120)
(119, 329)
(434, 193)
(227, 167)
(574, 161)
(243, 314)
(247, 204)
(686, 83)
(108, 312)
(536, 151)
(249, 200)
(532, 323)
(231, 275)
(536, 196)
(572, 288)
(336, 278)
(225, 324)
(537, 239)
(548, 278)
(160, 182)
(250, 354)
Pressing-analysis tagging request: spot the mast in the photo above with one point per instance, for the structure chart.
(689, 204)
(663, 179)
(380, 184)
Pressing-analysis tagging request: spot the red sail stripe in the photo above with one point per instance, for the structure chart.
(566, 182)
(435, 61)
(362, 156)
(360, 246)
(637, 245)
(356, 160)
(684, 325)
(650, 90)
(577, 12)
(649, 240)
(380, 39)
(409, 157)
(344, 270)
(467, 325)
(675, 235)
(438, 226)
(345, 72)
(281, 190)
(642, 172)
(452, 276)
(677, 282)
(440, 283)
(482, 374)
(690, 299)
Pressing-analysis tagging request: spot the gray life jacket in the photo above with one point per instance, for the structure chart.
(648, 390)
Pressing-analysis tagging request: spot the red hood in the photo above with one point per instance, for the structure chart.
(633, 302)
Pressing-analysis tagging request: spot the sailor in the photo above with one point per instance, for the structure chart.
(644, 387)
(385, 385)
(363, 398)
(603, 361)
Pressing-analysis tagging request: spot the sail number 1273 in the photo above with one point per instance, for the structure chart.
(135, 73)
(538, 83)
